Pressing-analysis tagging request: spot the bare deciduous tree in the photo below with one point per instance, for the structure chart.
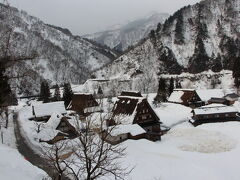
(90, 156)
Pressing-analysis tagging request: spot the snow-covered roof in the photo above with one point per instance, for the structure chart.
(131, 97)
(49, 129)
(215, 109)
(92, 109)
(133, 129)
(47, 109)
(184, 89)
(207, 94)
(176, 96)
(54, 120)
(232, 96)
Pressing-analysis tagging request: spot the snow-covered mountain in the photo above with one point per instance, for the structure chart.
(194, 39)
(121, 37)
(61, 56)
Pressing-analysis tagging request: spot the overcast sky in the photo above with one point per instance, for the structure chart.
(88, 16)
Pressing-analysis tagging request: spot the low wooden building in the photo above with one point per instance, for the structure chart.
(196, 98)
(231, 98)
(120, 133)
(214, 113)
(84, 104)
(186, 97)
(218, 101)
(132, 108)
(42, 112)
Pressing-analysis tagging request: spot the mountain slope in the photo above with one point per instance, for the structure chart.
(123, 36)
(194, 39)
(61, 56)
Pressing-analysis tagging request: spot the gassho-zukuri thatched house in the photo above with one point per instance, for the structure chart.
(214, 113)
(195, 98)
(42, 112)
(57, 128)
(135, 117)
(84, 104)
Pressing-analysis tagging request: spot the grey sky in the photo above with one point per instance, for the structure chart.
(88, 16)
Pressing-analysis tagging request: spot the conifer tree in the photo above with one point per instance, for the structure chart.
(67, 94)
(57, 95)
(236, 72)
(44, 92)
(178, 84)
(179, 38)
(171, 86)
(5, 90)
(162, 92)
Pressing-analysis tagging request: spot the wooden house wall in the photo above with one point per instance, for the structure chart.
(80, 102)
(195, 101)
(147, 118)
(213, 116)
(66, 127)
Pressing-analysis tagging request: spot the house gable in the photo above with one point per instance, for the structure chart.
(82, 101)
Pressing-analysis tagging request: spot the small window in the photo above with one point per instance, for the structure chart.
(217, 115)
(226, 115)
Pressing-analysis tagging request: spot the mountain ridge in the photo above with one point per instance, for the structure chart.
(61, 56)
(128, 34)
(196, 38)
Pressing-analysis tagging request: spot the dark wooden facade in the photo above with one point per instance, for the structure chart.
(144, 114)
(219, 101)
(67, 131)
(199, 119)
(65, 127)
(189, 98)
(195, 101)
(82, 101)
(232, 98)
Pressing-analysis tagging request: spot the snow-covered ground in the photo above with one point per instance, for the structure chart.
(209, 152)
(170, 114)
(12, 164)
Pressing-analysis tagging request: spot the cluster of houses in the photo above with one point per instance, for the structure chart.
(131, 116)
(209, 106)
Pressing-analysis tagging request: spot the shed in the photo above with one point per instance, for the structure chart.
(214, 113)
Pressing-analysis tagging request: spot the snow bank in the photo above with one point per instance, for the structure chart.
(14, 166)
(133, 129)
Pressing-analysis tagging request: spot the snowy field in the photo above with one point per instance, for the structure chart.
(209, 152)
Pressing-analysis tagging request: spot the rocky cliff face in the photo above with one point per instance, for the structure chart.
(61, 56)
(194, 39)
